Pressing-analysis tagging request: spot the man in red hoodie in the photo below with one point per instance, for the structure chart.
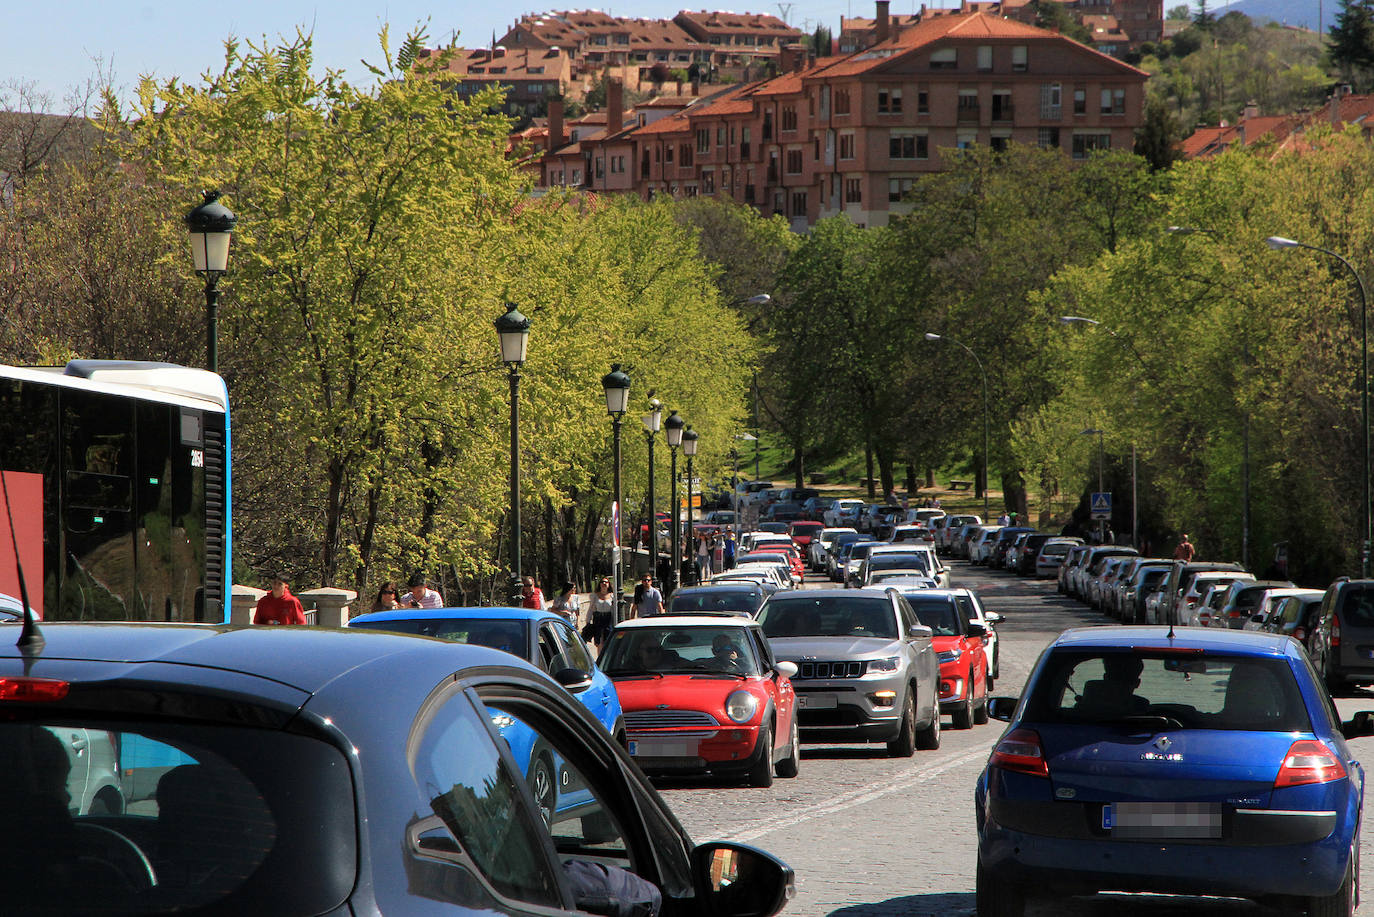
(279, 606)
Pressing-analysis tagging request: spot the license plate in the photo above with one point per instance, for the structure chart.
(818, 701)
(664, 748)
(1162, 820)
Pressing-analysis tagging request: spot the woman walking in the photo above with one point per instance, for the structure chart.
(567, 603)
(602, 613)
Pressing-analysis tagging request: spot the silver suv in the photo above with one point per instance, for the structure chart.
(867, 670)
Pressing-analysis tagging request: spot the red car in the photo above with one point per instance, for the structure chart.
(703, 694)
(959, 647)
(803, 532)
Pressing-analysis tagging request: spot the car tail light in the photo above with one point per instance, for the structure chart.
(1335, 632)
(1204, 619)
(33, 690)
(1020, 750)
(1309, 761)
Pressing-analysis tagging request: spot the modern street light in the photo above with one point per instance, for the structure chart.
(210, 226)
(1101, 451)
(672, 431)
(938, 337)
(616, 386)
(652, 422)
(513, 329)
(689, 449)
(1278, 242)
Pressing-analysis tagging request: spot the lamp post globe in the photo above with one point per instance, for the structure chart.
(616, 385)
(513, 331)
(210, 226)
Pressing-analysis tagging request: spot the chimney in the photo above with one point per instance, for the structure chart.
(615, 106)
(500, 50)
(1251, 110)
(696, 88)
(882, 30)
(555, 123)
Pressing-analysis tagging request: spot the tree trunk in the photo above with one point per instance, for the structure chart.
(1014, 494)
(885, 469)
(930, 477)
(799, 462)
(911, 487)
(329, 555)
(868, 465)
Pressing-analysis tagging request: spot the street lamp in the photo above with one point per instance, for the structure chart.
(938, 337)
(760, 299)
(616, 386)
(689, 449)
(652, 422)
(1278, 242)
(672, 431)
(1102, 533)
(513, 329)
(210, 226)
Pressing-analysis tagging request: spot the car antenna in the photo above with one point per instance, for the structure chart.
(1170, 635)
(30, 637)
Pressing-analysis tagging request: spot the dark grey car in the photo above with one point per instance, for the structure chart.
(867, 670)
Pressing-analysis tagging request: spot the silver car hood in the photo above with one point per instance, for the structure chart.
(796, 649)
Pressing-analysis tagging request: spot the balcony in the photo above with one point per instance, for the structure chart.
(1003, 112)
(968, 114)
(1050, 112)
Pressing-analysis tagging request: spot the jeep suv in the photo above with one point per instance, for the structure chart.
(867, 667)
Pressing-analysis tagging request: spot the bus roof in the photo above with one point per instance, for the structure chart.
(165, 382)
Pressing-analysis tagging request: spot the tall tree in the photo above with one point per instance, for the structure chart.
(1351, 43)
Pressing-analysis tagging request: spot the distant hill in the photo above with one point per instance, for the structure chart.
(1289, 12)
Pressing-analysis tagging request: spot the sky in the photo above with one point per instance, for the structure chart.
(59, 45)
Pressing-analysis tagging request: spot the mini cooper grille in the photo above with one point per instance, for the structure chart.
(657, 719)
(831, 670)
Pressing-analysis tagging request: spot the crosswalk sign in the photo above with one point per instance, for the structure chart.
(1102, 506)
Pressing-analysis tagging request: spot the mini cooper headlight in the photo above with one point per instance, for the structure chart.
(741, 706)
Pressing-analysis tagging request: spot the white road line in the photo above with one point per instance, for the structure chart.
(894, 784)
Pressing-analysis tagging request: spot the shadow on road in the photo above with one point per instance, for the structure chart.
(840, 752)
(945, 904)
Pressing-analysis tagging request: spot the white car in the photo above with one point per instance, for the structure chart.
(981, 543)
(910, 532)
(843, 512)
(778, 574)
(820, 546)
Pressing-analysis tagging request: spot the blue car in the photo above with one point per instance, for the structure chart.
(1191, 762)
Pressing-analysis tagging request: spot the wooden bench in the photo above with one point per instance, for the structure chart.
(960, 485)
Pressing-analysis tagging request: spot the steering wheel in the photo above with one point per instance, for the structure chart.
(113, 849)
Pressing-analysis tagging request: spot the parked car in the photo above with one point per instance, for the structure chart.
(1270, 610)
(1070, 564)
(720, 597)
(855, 555)
(872, 518)
(959, 547)
(704, 695)
(1299, 616)
(1145, 579)
(1340, 648)
(963, 658)
(948, 526)
(1243, 599)
(802, 531)
(1180, 579)
(1051, 554)
(781, 512)
(821, 544)
(867, 669)
(843, 512)
(1005, 536)
(1028, 551)
(1090, 566)
(303, 770)
(1190, 600)
(880, 562)
(839, 555)
(912, 532)
(1201, 762)
(980, 545)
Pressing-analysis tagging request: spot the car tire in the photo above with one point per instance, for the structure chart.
(980, 713)
(761, 772)
(107, 802)
(1342, 903)
(788, 767)
(928, 739)
(963, 714)
(995, 897)
(544, 788)
(904, 746)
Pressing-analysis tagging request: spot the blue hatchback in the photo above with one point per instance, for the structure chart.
(1196, 763)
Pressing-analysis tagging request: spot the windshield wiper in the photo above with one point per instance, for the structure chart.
(738, 675)
(633, 673)
(1155, 722)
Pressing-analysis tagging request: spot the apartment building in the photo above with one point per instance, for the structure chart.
(529, 75)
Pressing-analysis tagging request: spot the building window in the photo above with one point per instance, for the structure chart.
(1051, 101)
(1113, 101)
(600, 167)
(720, 135)
(708, 182)
(789, 118)
(1001, 105)
(922, 102)
(703, 140)
(794, 162)
(1080, 100)
(853, 191)
(798, 203)
(846, 146)
(963, 140)
(999, 142)
(907, 145)
(768, 125)
(968, 105)
(744, 142)
(1085, 144)
(1048, 138)
(898, 189)
(985, 57)
(685, 158)
(889, 100)
(1018, 58)
(668, 153)
(577, 176)
(944, 59)
(841, 101)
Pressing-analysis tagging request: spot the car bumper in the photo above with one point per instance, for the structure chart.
(695, 751)
(850, 710)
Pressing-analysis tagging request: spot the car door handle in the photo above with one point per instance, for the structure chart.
(79, 743)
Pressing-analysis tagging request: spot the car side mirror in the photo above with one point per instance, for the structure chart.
(786, 668)
(920, 632)
(1002, 708)
(976, 630)
(993, 617)
(1361, 726)
(736, 880)
(574, 679)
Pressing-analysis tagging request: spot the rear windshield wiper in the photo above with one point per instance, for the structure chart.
(1152, 722)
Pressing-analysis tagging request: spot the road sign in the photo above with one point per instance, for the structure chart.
(1102, 506)
(615, 524)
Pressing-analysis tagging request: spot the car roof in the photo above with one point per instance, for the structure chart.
(793, 594)
(1244, 642)
(719, 587)
(493, 613)
(687, 621)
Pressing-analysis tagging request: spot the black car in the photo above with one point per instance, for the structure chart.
(738, 598)
(293, 771)
(1030, 549)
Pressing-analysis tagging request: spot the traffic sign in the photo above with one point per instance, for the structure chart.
(615, 524)
(1102, 506)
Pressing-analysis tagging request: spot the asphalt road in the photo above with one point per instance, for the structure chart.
(872, 836)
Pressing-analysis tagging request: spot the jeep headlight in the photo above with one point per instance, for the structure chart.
(889, 664)
(950, 655)
(741, 706)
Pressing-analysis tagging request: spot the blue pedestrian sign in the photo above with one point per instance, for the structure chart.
(1102, 506)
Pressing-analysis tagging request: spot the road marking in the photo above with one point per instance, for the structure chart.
(894, 784)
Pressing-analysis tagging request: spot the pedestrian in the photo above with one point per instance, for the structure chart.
(420, 595)
(1185, 550)
(530, 594)
(1004, 519)
(728, 551)
(567, 603)
(703, 557)
(648, 600)
(602, 614)
(279, 606)
(386, 597)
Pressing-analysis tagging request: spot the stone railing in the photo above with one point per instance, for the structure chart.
(325, 607)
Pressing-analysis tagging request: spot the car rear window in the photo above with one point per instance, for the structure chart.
(716, 600)
(121, 818)
(937, 613)
(1357, 607)
(510, 636)
(828, 616)
(1196, 691)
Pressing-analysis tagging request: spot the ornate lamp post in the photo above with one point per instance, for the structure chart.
(689, 449)
(653, 421)
(514, 331)
(986, 483)
(210, 226)
(672, 431)
(616, 386)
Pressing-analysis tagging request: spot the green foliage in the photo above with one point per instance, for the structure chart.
(1351, 47)
(1057, 17)
(820, 41)
(1158, 138)
(1178, 12)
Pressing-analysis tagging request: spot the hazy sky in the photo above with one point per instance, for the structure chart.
(60, 44)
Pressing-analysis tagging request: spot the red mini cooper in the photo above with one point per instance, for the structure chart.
(703, 694)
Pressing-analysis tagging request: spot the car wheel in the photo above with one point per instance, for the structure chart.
(928, 739)
(995, 897)
(904, 746)
(544, 788)
(789, 766)
(761, 773)
(1342, 903)
(980, 713)
(107, 802)
(963, 714)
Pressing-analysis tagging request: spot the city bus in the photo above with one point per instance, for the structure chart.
(116, 490)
